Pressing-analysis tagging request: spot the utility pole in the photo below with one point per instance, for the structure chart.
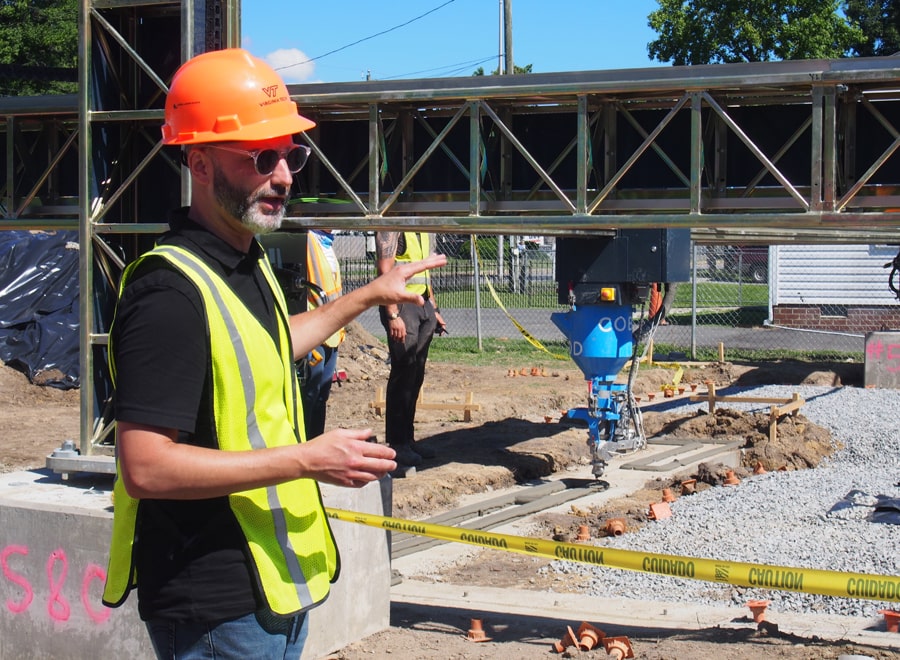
(505, 147)
(508, 37)
(500, 39)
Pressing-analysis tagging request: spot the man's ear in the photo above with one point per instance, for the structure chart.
(198, 162)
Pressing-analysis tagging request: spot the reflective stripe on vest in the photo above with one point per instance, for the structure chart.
(416, 248)
(319, 272)
(287, 532)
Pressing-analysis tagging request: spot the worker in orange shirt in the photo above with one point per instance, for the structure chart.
(324, 284)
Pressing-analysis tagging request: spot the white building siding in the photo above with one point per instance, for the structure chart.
(831, 275)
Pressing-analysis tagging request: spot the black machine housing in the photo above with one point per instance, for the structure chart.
(629, 261)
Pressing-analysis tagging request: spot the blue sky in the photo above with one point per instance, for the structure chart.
(348, 40)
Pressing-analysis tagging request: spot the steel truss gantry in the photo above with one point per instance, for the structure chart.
(763, 151)
(768, 152)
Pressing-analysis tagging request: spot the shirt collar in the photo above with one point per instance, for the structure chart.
(205, 242)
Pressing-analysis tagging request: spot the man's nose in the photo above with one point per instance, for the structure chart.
(282, 173)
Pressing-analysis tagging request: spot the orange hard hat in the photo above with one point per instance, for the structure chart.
(229, 95)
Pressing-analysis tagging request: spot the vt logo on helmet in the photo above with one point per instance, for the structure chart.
(229, 95)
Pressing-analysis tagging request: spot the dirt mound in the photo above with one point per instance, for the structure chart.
(518, 432)
(798, 443)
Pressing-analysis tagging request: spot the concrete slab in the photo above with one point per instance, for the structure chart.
(622, 475)
(54, 536)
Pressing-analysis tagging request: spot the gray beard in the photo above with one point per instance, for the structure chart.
(245, 208)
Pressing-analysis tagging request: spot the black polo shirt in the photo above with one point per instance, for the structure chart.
(190, 556)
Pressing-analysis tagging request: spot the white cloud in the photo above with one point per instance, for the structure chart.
(292, 64)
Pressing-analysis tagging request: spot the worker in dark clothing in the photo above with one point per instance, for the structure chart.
(218, 520)
(409, 329)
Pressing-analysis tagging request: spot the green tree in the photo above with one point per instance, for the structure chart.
(720, 31)
(516, 69)
(879, 21)
(38, 47)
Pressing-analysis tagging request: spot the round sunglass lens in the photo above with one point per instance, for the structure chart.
(296, 158)
(267, 161)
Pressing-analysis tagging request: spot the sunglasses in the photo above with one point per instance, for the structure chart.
(266, 160)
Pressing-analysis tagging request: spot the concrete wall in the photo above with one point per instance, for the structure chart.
(882, 364)
(53, 550)
(360, 601)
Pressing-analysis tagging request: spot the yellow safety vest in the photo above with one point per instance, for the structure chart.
(319, 272)
(416, 248)
(295, 558)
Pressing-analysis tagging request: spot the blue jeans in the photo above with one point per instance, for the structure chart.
(259, 635)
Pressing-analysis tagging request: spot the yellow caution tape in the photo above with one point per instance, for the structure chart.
(527, 335)
(783, 578)
(679, 370)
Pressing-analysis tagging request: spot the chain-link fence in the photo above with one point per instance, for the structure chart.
(728, 304)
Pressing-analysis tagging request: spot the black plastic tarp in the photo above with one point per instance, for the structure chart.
(39, 305)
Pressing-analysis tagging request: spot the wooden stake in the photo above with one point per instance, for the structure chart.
(470, 405)
(379, 404)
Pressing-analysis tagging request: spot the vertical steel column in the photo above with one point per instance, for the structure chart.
(581, 155)
(696, 193)
(829, 150)
(610, 145)
(816, 160)
(10, 167)
(374, 200)
(200, 29)
(505, 192)
(720, 164)
(231, 29)
(407, 149)
(847, 174)
(85, 230)
(474, 206)
(696, 152)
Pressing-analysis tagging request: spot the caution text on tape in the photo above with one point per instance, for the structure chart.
(742, 574)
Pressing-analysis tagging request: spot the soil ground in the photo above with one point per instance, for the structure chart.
(515, 435)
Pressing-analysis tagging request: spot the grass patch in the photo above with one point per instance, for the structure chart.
(711, 354)
(497, 351)
(723, 294)
(740, 317)
(519, 353)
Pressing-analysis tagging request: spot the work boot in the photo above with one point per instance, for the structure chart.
(407, 456)
(423, 451)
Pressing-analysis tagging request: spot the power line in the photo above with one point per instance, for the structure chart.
(359, 41)
(458, 66)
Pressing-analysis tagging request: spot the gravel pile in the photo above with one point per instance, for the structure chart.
(819, 518)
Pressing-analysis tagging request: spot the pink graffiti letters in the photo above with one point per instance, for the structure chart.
(878, 351)
(15, 578)
(57, 569)
(57, 606)
(91, 573)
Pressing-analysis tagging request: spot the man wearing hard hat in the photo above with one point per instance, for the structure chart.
(218, 520)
